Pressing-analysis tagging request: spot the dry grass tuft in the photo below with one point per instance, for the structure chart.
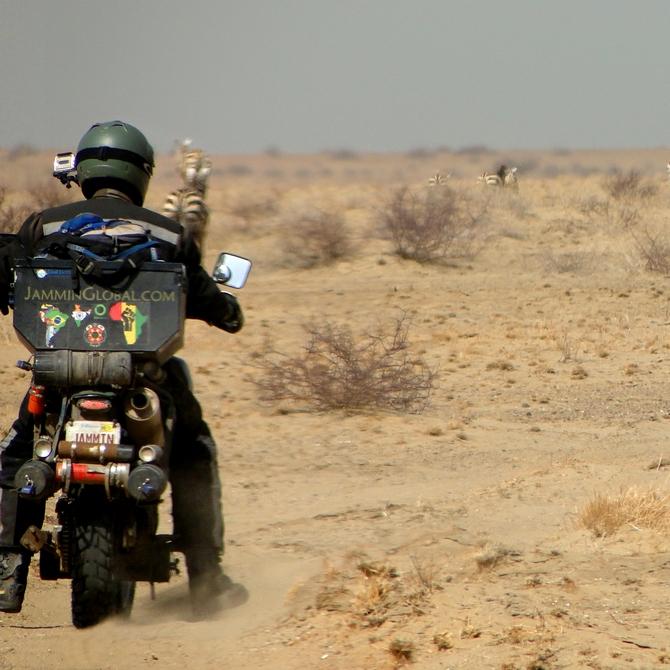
(605, 514)
(402, 650)
(579, 372)
(490, 556)
(469, 631)
(500, 365)
(336, 370)
(426, 572)
(370, 569)
(372, 593)
(443, 641)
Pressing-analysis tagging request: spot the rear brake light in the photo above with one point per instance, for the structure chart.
(94, 404)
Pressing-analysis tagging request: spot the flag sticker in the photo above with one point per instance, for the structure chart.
(132, 319)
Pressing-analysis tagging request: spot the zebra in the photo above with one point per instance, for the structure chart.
(194, 167)
(505, 176)
(438, 179)
(187, 204)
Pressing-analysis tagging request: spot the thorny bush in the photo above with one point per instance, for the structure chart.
(629, 186)
(654, 248)
(11, 216)
(317, 237)
(50, 194)
(336, 370)
(42, 196)
(433, 224)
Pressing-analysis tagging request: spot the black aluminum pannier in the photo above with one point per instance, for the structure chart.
(56, 307)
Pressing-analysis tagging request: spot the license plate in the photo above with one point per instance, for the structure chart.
(96, 432)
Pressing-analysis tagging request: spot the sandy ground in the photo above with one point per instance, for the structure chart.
(450, 536)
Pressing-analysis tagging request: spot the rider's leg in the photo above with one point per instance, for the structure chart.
(16, 513)
(196, 495)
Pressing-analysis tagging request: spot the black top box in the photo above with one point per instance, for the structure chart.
(56, 307)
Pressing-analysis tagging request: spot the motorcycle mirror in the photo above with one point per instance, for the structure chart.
(231, 270)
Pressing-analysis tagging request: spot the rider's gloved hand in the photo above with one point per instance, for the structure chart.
(229, 316)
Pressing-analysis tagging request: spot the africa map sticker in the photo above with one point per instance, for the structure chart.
(79, 314)
(54, 320)
(131, 318)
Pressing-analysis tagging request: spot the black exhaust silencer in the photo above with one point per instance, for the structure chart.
(35, 479)
(146, 483)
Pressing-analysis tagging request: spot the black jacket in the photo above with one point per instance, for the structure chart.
(204, 300)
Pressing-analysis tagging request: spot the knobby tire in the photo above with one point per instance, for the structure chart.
(96, 593)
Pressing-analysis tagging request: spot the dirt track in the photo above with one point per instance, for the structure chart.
(453, 530)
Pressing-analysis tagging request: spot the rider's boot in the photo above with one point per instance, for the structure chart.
(13, 580)
(211, 590)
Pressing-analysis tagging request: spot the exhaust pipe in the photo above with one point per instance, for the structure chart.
(35, 479)
(143, 417)
(112, 476)
(88, 452)
(146, 482)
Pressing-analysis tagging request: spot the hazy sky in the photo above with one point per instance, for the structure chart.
(366, 75)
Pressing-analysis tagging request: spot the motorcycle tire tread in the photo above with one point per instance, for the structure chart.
(96, 593)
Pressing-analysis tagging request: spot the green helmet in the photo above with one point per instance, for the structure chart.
(116, 155)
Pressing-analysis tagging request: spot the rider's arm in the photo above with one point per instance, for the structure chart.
(5, 271)
(12, 246)
(204, 300)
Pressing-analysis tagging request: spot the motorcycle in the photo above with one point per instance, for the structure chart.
(101, 439)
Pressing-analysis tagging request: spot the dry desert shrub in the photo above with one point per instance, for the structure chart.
(443, 640)
(504, 199)
(317, 237)
(491, 555)
(426, 572)
(11, 216)
(255, 205)
(605, 514)
(402, 650)
(338, 370)
(41, 196)
(614, 213)
(433, 224)
(654, 249)
(371, 593)
(574, 262)
(629, 186)
(50, 194)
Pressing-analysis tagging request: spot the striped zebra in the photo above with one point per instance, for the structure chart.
(194, 167)
(189, 208)
(187, 204)
(438, 179)
(505, 176)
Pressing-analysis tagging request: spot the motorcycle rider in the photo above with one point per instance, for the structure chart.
(114, 163)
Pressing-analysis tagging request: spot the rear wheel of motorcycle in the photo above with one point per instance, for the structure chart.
(96, 593)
